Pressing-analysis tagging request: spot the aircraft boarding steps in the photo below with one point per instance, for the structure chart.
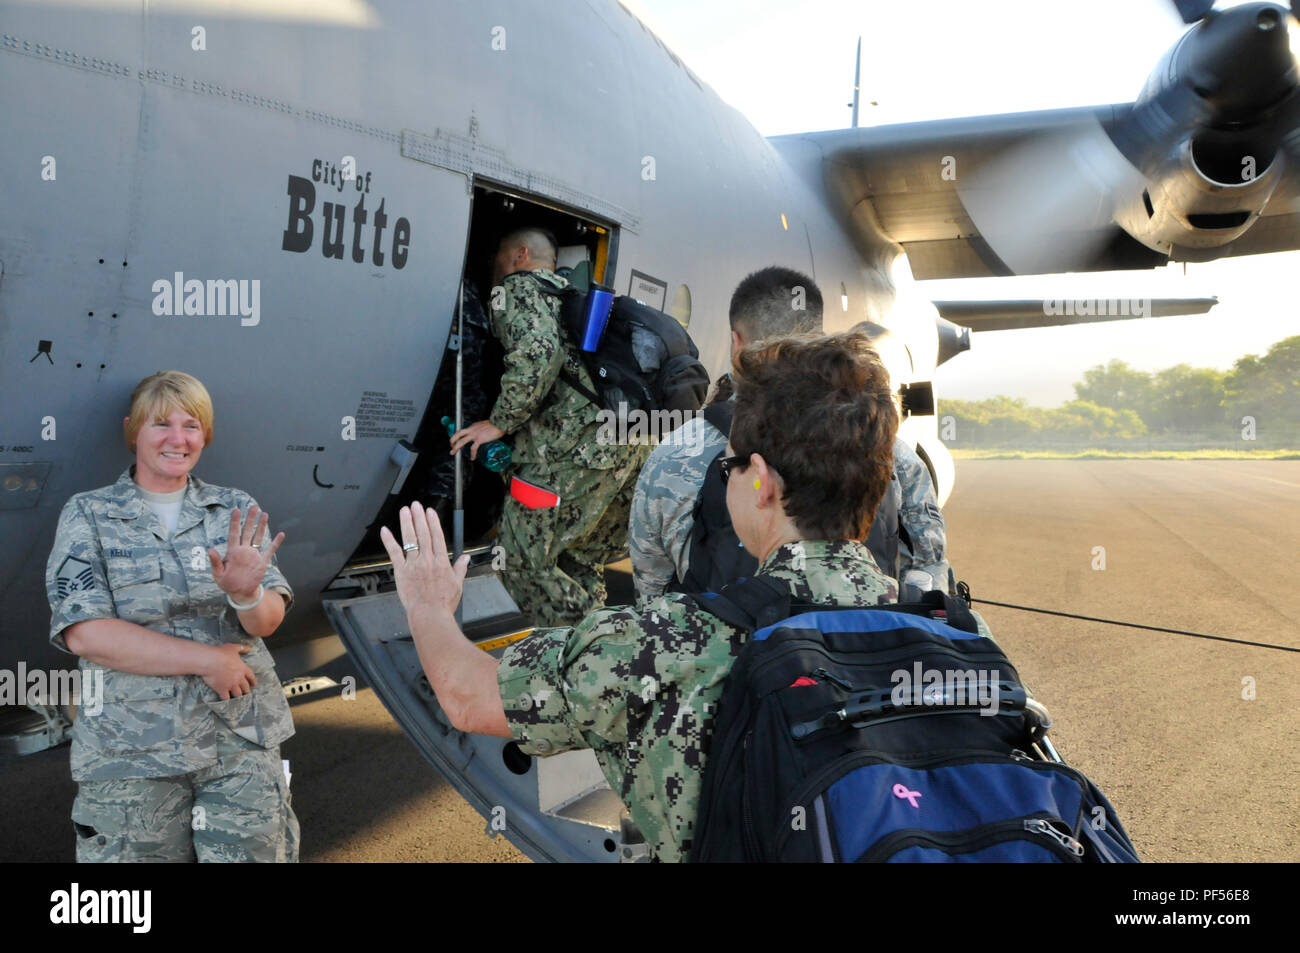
(32, 728)
(557, 808)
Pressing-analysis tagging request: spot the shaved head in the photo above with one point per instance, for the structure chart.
(775, 302)
(539, 242)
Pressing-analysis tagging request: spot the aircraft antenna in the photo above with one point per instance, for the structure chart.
(857, 83)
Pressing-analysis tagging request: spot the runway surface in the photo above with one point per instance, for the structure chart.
(1159, 722)
(1196, 771)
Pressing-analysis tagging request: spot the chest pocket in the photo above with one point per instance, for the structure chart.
(136, 583)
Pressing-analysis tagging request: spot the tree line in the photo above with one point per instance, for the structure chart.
(1118, 403)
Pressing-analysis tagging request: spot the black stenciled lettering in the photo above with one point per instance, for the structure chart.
(401, 242)
(302, 201)
(359, 219)
(331, 246)
(376, 253)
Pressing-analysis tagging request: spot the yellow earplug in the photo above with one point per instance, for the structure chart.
(758, 484)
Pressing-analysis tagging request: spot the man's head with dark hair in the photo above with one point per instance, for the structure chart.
(774, 302)
(524, 249)
(815, 422)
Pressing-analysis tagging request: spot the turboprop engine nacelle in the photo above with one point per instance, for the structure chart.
(1209, 193)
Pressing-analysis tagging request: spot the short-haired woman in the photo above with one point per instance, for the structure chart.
(165, 586)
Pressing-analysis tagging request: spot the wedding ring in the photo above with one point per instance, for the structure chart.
(410, 547)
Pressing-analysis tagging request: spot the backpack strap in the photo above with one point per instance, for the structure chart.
(750, 602)
(549, 289)
(578, 386)
(714, 554)
(720, 414)
(755, 602)
(956, 613)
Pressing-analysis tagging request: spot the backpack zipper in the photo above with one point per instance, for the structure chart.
(842, 715)
(1041, 826)
(807, 645)
(977, 838)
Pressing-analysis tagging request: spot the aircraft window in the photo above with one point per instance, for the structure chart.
(681, 306)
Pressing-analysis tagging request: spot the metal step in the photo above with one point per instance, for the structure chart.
(32, 728)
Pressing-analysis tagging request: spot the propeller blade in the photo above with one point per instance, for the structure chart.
(1155, 126)
(1193, 10)
(1049, 205)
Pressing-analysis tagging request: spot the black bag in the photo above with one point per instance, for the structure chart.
(822, 752)
(645, 362)
(714, 554)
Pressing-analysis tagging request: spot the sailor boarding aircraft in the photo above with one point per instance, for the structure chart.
(282, 199)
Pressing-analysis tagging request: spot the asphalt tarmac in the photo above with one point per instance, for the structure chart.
(1192, 740)
(1197, 770)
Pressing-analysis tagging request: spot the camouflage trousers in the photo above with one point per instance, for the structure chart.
(237, 811)
(555, 556)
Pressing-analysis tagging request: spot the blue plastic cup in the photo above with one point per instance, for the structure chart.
(599, 301)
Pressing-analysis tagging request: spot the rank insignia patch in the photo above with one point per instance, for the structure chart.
(74, 575)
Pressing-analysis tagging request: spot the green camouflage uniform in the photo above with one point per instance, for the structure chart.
(640, 686)
(165, 754)
(555, 557)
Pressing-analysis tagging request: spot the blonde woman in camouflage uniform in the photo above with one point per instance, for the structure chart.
(165, 586)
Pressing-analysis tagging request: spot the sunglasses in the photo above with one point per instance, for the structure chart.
(726, 463)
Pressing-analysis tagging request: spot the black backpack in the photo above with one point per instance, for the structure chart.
(835, 742)
(715, 556)
(646, 361)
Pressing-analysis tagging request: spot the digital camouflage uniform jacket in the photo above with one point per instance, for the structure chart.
(551, 422)
(112, 560)
(663, 509)
(663, 505)
(640, 686)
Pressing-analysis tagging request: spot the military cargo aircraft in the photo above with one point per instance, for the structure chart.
(282, 198)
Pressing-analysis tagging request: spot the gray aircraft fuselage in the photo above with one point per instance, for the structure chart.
(174, 197)
(280, 199)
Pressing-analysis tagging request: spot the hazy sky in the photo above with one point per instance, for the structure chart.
(788, 67)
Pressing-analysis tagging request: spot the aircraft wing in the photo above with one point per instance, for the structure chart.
(1007, 315)
(1034, 193)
